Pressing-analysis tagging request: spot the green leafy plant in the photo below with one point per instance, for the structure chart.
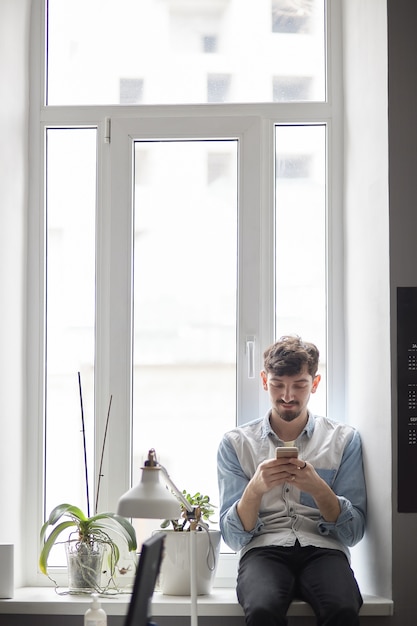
(91, 533)
(88, 530)
(196, 500)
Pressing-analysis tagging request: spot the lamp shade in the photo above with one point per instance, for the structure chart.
(149, 499)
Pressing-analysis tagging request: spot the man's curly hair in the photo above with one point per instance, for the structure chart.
(289, 354)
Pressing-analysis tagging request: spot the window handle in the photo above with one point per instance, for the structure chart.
(250, 352)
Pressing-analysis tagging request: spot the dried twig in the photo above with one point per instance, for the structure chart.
(84, 444)
(102, 455)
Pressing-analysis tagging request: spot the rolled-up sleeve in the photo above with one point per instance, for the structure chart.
(232, 483)
(349, 486)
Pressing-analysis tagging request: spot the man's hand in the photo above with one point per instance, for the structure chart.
(269, 474)
(275, 472)
(304, 477)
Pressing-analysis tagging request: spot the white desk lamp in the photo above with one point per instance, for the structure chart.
(150, 499)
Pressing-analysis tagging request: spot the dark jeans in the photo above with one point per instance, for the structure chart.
(270, 577)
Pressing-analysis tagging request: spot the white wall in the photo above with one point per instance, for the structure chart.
(14, 43)
(367, 274)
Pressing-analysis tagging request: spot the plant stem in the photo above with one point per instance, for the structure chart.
(102, 455)
(84, 444)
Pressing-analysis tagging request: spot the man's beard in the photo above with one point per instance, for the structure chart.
(288, 415)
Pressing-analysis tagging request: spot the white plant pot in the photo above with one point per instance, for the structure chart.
(174, 578)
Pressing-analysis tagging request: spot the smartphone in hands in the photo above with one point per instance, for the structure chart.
(286, 452)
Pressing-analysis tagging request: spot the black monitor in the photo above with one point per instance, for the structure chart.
(144, 585)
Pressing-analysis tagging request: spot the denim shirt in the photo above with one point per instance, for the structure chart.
(286, 513)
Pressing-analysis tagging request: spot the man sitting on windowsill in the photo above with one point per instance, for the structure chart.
(293, 519)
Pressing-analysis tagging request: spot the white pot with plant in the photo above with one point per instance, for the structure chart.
(175, 575)
(88, 539)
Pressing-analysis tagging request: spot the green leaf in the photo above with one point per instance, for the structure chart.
(66, 509)
(49, 543)
(120, 525)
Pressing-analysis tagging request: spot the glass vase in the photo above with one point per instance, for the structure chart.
(84, 561)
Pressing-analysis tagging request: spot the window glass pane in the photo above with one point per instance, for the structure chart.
(175, 52)
(184, 307)
(70, 306)
(301, 240)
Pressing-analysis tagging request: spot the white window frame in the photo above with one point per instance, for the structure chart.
(253, 125)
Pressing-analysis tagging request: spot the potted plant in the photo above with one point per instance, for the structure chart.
(175, 567)
(94, 536)
(197, 501)
(86, 546)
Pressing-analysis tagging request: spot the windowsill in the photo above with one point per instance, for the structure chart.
(220, 603)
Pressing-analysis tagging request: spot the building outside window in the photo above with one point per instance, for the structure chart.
(292, 16)
(131, 91)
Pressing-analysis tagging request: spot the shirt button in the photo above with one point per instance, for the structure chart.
(287, 489)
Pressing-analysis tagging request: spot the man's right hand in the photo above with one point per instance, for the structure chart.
(269, 474)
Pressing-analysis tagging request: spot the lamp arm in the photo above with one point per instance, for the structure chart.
(175, 489)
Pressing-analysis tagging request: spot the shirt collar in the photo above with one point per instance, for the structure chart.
(267, 430)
